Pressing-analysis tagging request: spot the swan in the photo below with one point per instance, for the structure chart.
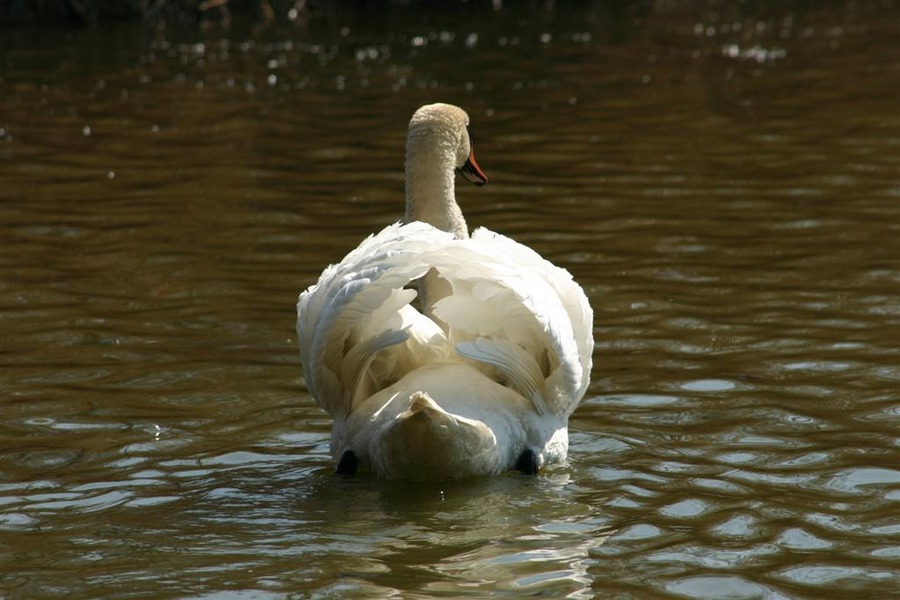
(441, 355)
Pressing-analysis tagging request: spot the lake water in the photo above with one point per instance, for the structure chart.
(722, 178)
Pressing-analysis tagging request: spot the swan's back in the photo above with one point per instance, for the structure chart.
(516, 316)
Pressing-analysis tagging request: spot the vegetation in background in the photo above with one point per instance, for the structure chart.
(92, 11)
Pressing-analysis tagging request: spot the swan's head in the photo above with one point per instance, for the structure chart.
(446, 127)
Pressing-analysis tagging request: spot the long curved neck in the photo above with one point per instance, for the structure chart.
(430, 187)
(431, 198)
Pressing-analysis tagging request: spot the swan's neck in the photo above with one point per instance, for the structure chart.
(430, 187)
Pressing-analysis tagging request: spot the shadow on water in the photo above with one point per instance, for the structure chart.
(516, 533)
(366, 536)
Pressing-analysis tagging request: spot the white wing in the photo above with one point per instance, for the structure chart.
(360, 306)
(523, 315)
(509, 310)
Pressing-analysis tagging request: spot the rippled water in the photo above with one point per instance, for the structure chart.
(724, 181)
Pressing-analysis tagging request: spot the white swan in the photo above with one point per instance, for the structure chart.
(484, 377)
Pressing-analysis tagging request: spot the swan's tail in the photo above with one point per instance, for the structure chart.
(425, 441)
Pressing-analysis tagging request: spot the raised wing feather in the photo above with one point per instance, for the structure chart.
(509, 309)
(504, 290)
(354, 302)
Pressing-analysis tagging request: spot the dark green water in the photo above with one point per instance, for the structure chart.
(723, 180)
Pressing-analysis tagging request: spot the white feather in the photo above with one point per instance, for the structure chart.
(494, 366)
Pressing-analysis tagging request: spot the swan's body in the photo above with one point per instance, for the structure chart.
(484, 377)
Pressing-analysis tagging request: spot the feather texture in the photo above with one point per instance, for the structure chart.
(490, 365)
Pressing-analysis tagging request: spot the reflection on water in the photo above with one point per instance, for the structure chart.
(722, 179)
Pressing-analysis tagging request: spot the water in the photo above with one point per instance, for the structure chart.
(722, 180)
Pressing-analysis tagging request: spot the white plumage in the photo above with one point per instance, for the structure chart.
(483, 375)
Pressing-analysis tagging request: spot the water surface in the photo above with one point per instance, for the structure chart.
(722, 180)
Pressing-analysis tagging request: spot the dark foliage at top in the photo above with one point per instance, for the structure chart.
(173, 11)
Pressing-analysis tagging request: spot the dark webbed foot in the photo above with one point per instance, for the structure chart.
(347, 464)
(527, 463)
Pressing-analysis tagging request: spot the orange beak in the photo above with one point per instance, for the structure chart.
(471, 171)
